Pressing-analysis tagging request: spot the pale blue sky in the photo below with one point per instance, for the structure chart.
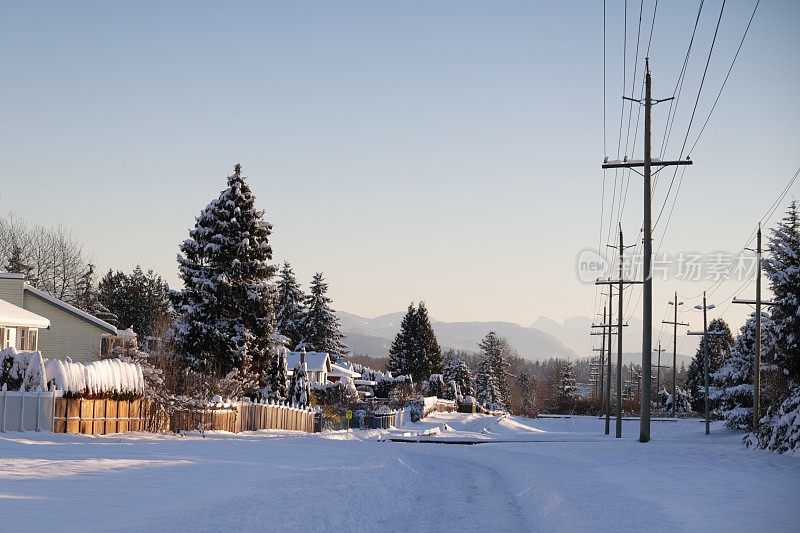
(444, 151)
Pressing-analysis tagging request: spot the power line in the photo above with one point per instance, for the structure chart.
(691, 119)
(676, 93)
(733, 62)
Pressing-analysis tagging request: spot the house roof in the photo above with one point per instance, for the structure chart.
(315, 361)
(14, 316)
(102, 324)
(338, 370)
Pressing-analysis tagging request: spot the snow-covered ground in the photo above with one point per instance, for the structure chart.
(538, 475)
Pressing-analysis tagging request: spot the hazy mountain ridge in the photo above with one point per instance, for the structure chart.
(374, 336)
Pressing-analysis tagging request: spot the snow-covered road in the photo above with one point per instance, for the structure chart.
(560, 475)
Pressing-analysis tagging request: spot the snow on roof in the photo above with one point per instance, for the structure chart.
(316, 361)
(338, 370)
(71, 309)
(11, 275)
(11, 315)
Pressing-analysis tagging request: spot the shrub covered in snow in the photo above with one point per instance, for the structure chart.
(779, 430)
(29, 371)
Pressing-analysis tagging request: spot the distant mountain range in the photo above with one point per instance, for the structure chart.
(543, 339)
(373, 336)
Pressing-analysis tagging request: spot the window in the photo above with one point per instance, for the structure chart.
(3, 338)
(33, 339)
(22, 339)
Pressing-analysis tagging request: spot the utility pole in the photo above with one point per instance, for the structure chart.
(675, 303)
(705, 307)
(658, 368)
(647, 229)
(602, 350)
(620, 282)
(608, 325)
(602, 358)
(758, 303)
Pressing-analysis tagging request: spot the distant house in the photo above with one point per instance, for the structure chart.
(342, 371)
(318, 364)
(69, 332)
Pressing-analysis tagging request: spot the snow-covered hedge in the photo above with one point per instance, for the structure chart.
(29, 371)
(779, 430)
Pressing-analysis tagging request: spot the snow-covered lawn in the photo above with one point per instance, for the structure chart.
(560, 475)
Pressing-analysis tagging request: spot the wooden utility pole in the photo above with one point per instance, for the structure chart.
(602, 358)
(705, 307)
(758, 303)
(647, 229)
(620, 282)
(675, 303)
(607, 324)
(658, 368)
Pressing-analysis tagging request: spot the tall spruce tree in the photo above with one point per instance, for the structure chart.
(226, 309)
(720, 341)
(320, 325)
(496, 351)
(401, 359)
(428, 354)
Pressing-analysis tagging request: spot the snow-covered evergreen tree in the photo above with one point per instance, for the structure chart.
(226, 309)
(428, 354)
(279, 377)
(401, 360)
(435, 386)
(301, 388)
(733, 383)
(458, 379)
(779, 429)
(719, 341)
(320, 326)
(489, 394)
(291, 306)
(496, 351)
(782, 267)
(415, 350)
(567, 390)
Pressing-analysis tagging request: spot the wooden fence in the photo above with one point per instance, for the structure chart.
(99, 417)
(245, 417)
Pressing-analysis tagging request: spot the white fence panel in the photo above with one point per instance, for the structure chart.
(27, 411)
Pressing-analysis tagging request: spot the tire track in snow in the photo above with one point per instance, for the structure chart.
(456, 493)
